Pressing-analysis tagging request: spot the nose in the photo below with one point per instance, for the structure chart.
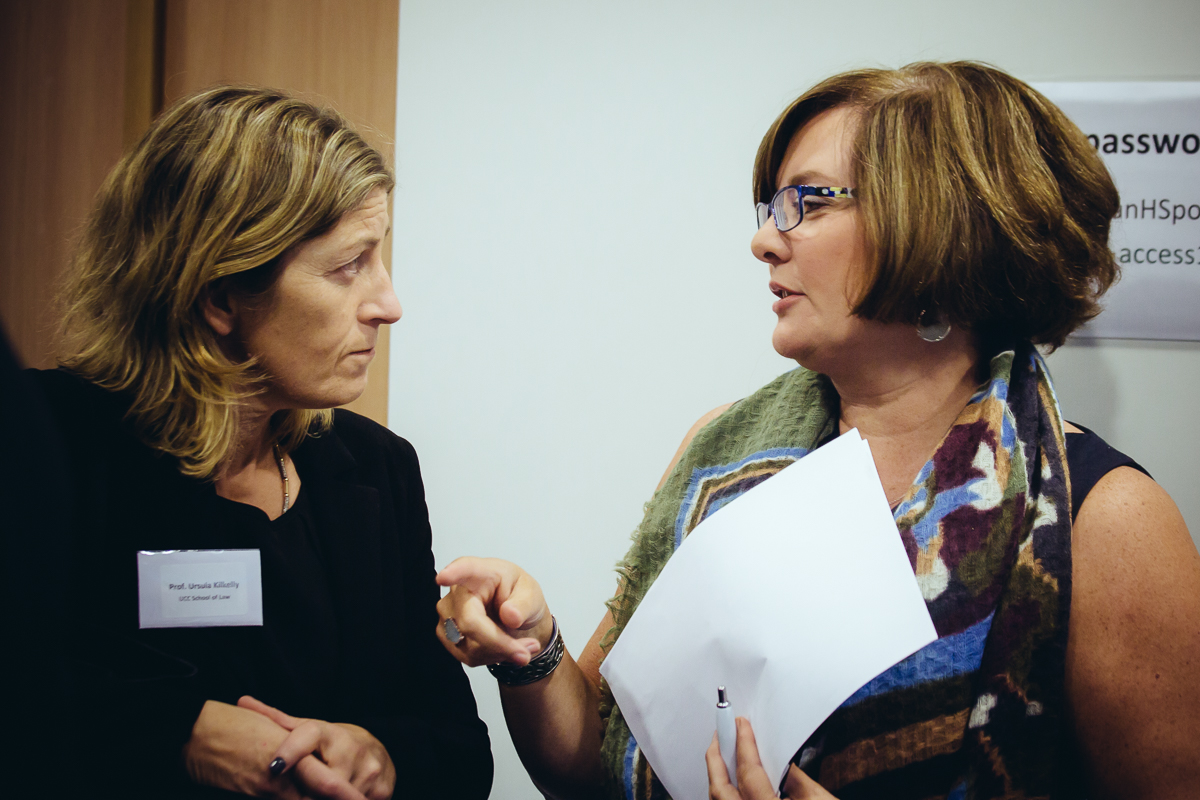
(769, 245)
(382, 307)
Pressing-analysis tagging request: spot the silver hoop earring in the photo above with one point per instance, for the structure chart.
(934, 331)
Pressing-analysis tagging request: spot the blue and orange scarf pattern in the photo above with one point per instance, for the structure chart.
(978, 713)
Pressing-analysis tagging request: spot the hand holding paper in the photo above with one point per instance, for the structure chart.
(751, 781)
(792, 596)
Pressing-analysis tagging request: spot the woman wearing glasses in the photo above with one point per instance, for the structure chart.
(924, 230)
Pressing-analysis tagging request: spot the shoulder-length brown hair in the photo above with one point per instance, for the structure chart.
(219, 188)
(981, 201)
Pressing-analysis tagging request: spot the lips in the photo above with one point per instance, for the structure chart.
(782, 292)
(787, 297)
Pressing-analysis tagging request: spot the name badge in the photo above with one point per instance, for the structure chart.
(199, 588)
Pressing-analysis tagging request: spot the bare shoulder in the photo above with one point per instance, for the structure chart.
(700, 423)
(592, 655)
(691, 434)
(1133, 652)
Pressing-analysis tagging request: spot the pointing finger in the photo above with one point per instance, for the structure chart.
(470, 573)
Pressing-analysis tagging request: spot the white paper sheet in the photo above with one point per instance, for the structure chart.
(792, 597)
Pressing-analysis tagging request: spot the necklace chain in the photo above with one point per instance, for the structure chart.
(284, 475)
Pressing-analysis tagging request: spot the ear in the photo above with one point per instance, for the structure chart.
(219, 310)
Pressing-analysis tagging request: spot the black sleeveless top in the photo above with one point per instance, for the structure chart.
(1090, 458)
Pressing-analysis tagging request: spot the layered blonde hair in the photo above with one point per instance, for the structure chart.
(982, 203)
(223, 184)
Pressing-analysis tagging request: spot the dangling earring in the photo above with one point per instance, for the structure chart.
(934, 331)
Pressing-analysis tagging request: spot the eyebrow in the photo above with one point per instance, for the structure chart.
(365, 240)
(811, 178)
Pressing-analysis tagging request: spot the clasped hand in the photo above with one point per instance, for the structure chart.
(498, 609)
(232, 747)
(753, 782)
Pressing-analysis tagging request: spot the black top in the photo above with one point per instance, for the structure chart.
(35, 496)
(349, 599)
(297, 604)
(1090, 458)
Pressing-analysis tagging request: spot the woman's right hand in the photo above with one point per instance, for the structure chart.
(753, 783)
(498, 609)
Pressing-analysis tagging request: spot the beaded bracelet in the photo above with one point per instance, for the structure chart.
(538, 667)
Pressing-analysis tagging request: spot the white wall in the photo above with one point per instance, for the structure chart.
(572, 223)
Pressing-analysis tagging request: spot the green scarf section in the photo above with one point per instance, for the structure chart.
(799, 409)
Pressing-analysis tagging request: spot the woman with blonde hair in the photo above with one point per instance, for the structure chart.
(925, 230)
(228, 292)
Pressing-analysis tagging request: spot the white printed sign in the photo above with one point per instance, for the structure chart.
(199, 588)
(1149, 137)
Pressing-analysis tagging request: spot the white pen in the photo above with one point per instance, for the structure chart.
(727, 735)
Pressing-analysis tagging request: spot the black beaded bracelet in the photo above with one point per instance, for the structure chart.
(538, 667)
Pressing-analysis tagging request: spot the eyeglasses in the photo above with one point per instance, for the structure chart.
(787, 206)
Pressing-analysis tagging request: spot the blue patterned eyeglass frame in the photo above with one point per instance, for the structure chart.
(787, 201)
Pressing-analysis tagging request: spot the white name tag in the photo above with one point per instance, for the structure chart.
(199, 588)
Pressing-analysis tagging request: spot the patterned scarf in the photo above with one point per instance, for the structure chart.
(980, 712)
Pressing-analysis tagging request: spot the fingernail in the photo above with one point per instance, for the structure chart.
(276, 766)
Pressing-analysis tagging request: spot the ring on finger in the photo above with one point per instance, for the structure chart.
(453, 634)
